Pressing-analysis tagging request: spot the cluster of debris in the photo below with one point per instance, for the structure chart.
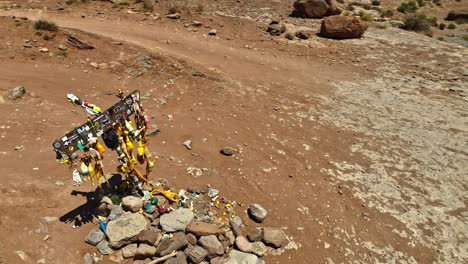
(196, 225)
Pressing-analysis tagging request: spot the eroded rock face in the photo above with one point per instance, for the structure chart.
(316, 8)
(125, 229)
(341, 27)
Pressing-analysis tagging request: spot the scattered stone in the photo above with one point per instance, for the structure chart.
(78, 43)
(236, 227)
(274, 237)
(197, 23)
(255, 234)
(188, 144)
(212, 32)
(105, 206)
(116, 257)
(276, 28)
(50, 219)
(125, 229)
(197, 254)
(19, 147)
(203, 229)
(192, 239)
(94, 237)
(104, 248)
(257, 213)
(153, 131)
(304, 34)
(95, 65)
(316, 8)
(145, 251)
(129, 251)
(149, 236)
(243, 244)
(197, 73)
(132, 204)
(88, 259)
(289, 36)
(62, 47)
(236, 256)
(212, 193)
(228, 151)
(176, 220)
(116, 212)
(180, 258)
(177, 242)
(43, 50)
(342, 27)
(173, 16)
(212, 245)
(259, 249)
(17, 92)
(117, 43)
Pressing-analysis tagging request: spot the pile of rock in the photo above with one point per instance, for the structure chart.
(202, 227)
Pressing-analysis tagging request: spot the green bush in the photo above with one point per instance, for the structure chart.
(148, 5)
(408, 7)
(460, 21)
(442, 26)
(45, 25)
(387, 13)
(366, 16)
(417, 22)
(440, 38)
(382, 26)
(465, 37)
(451, 26)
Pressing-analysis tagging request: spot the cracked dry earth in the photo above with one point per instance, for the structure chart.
(413, 119)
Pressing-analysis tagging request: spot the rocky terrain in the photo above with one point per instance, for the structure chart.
(355, 147)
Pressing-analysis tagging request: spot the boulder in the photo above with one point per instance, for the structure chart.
(176, 220)
(132, 204)
(342, 27)
(259, 249)
(104, 248)
(274, 28)
(105, 206)
(145, 251)
(212, 245)
(129, 251)
(255, 234)
(457, 14)
(94, 237)
(274, 237)
(125, 229)
(235, 227)
(304, 34)
(236, 257)
(316, 8)
(257, 213)
(177, 242)
(203, 229)
(149, 236)
(197, 254)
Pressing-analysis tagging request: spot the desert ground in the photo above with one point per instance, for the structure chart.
(357, 148)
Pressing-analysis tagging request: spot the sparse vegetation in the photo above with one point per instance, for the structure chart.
(408, 7)
(437, 2)
(174, 8)
(62, 53)
(387, 13)
(442, 26)
(200, 8)
(45, 25)
(366, 16)
(441, 38)
(148, 5)
(381, 26)
(421, 3)
(460, 21)
(465, 37)
(417, 22)
(451, 26)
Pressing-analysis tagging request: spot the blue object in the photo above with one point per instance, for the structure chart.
(102, 226)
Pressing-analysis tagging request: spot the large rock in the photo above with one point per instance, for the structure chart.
(180, 258)
(145, 251)
(342, 27)
(212, 245)
(316, 8)
(243, 244)
(125, 229)
(129, 251)
(259, 249)
(177, 242)
(94, 237)
(104, 248)
(235, 227)
(132, 204)
(105, 206)
(236, 257)
(116, 212)
(255, 234)
(203, 229)
(17, 92)
(274, 237)
(456, 14)
(149, 236)
(257, 212)
(197, 254)
(176, 220)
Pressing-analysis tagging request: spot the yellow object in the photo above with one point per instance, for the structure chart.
(228, 205)
(169, 195)
(190, 208)
(100, 148)
(91, 173)
(233, 215)
(224, 213)
(211, 218)
(217, 204)
(171, 235)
